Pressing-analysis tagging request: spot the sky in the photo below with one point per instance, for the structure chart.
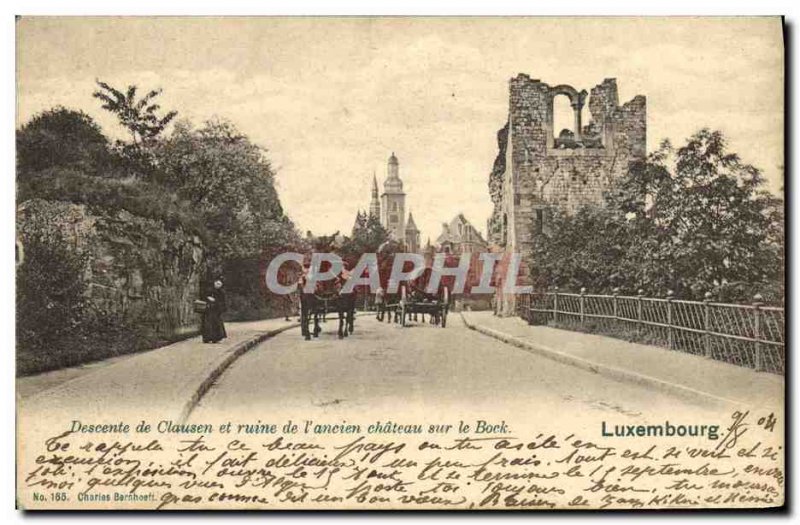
(331, 98)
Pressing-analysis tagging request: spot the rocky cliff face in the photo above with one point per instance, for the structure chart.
(137, 269)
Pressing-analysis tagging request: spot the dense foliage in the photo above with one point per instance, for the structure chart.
(51, 304)
(368, 236)
(210, 181)
(230, 183)
(691, 220)
(135, 196)
(62, 138)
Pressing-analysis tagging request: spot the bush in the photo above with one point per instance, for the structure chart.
(135, 196)
(51, 305)
(61, 137)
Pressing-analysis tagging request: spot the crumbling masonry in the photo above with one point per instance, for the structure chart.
(541, 170)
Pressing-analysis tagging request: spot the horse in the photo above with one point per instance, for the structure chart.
(326, 297)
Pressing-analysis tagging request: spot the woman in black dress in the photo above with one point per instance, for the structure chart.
(213, 327)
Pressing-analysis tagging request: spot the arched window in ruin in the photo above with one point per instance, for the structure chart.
(563, 120)
(567, 116)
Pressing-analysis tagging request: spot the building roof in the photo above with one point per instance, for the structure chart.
(411, 225)
(451, 233)
(393, 183)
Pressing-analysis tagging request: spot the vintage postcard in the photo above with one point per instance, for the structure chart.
(362, 263)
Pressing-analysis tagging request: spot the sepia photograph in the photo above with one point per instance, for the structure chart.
(487, 263)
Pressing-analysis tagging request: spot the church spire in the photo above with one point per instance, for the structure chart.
(375, 204)
(411, 225)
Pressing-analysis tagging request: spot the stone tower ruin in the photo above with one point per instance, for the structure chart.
(538, 167)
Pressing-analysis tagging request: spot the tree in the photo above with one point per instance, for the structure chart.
(141, 119)
(61, 138)
(724, 227)
(230, 182)
(586, 249)
(690, 220)
(367, 236)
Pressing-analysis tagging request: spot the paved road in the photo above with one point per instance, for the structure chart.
(387, 372)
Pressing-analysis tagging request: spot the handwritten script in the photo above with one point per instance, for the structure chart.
(162, 465)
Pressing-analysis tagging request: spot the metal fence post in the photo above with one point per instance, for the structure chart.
(670, 331)
(582, 301)
(615, 293)
(639, 300)
(555, 305)
(529, 313)
(757, 304)
(707, 325)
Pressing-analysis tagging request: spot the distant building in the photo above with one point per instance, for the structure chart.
(393, 201)
(460, 236)
(412, 235)
(325, 242)
(390, 208)
(461, 239)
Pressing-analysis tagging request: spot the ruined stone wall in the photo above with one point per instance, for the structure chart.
(494, 227)
(539, 172)
(136, 269)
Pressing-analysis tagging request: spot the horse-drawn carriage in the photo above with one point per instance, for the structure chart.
(416, 301)
(326, 298)
(412, 302)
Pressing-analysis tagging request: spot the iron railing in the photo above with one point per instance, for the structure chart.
(741, 334)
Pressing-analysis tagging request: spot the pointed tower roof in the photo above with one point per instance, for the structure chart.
(410, 225)
(375, 203)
